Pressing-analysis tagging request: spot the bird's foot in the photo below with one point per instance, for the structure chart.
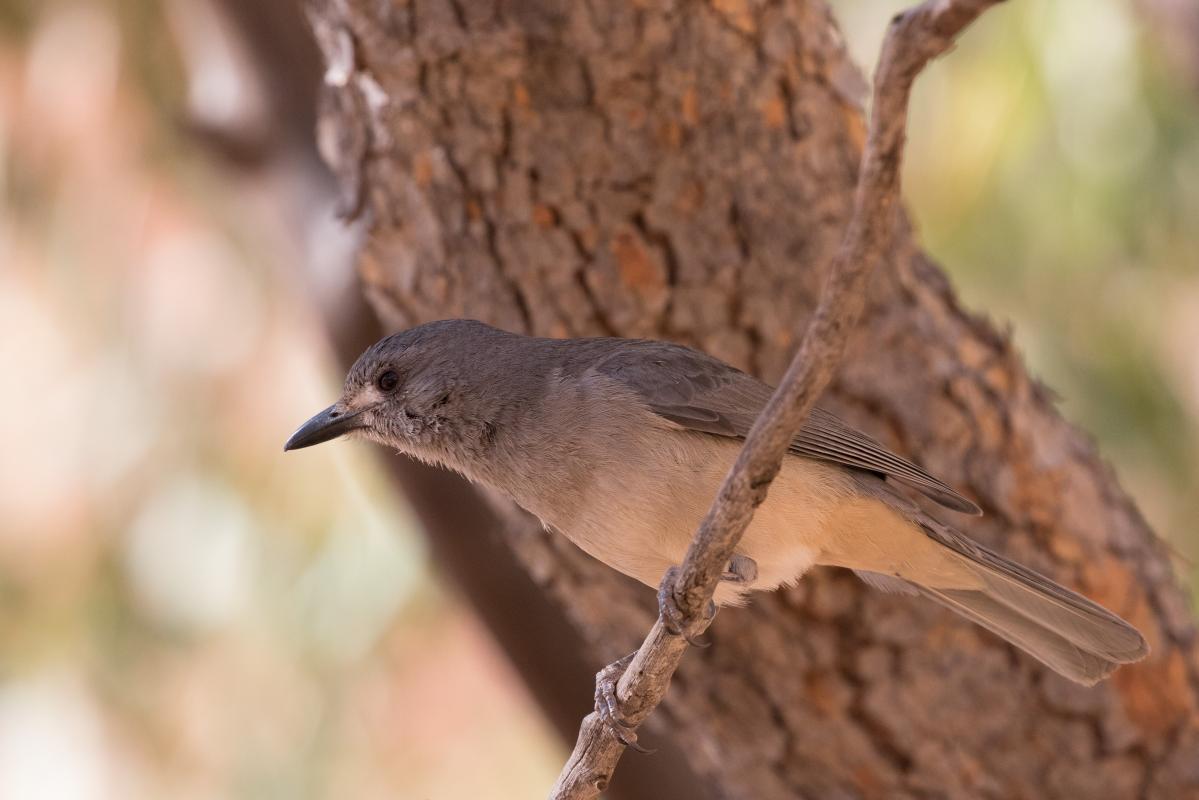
(741, 570)
(607, 705)
(673, 618)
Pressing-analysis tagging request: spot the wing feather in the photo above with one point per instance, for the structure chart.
(701, 393)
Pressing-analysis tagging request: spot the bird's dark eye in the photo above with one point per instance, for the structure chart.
(388, 381)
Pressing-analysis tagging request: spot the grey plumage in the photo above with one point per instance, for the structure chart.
(703, 394)
(621, 445)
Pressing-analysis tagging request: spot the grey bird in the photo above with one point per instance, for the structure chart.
(621, 445)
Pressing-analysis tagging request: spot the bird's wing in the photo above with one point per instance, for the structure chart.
(700, 393)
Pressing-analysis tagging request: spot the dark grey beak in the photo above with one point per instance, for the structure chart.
(326, 425)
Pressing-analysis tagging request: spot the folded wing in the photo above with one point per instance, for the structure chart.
(700, 393)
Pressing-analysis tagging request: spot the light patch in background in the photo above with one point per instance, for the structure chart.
(223, 91)
(159, 350)
(44, 422)
(6, 244)
(1179, 339)
(330, 244)
(122, 424)
(363, 573)
(1088, 49)
(349, 594)
(188, 555)
(1083, 192)
(197, 310)
(73, 66)
(52, 742)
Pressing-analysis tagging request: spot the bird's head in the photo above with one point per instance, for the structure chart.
(413, 391)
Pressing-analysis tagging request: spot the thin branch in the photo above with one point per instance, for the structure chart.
(914, 38)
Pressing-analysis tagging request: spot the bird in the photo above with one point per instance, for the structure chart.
(621, 446)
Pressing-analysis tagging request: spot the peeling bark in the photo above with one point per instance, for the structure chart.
(683, 171)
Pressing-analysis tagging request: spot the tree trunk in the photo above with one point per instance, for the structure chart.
(684, 170)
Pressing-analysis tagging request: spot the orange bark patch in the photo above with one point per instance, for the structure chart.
(520, 95)
(589, 236)
(1109, 581)
(422, 169)
(738, 14)
(635, 116)
(370, 270)
(689, 107)
(689, 197)
(825, 693)
(774, 112)
(868, 780)
(1065, 547)
(637, 268)
(999, 378)
(856, 128)
(1155, 693)
(544, 216)
(670, 134)
(974, 354)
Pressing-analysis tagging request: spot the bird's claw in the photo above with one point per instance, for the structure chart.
(673, 618)
(607, 705)
(742, 570)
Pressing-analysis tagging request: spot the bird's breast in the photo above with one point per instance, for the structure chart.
(644, 497)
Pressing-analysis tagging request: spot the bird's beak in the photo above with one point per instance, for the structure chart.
(326, 425)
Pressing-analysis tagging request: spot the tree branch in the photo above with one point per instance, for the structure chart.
(914, 38)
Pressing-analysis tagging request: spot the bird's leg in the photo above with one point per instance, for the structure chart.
(673, 618)
(607, 705)
(741, 570)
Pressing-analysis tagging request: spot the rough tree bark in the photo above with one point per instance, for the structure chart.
(682, 169)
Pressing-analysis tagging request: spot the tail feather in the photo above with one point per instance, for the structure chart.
(1034, 636)
(1061, 629)
(1064, 630)
(1071, 616)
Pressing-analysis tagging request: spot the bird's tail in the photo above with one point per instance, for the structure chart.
(1085, 645)
(1064, 630)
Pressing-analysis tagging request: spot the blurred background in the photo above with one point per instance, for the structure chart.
(186, 613)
